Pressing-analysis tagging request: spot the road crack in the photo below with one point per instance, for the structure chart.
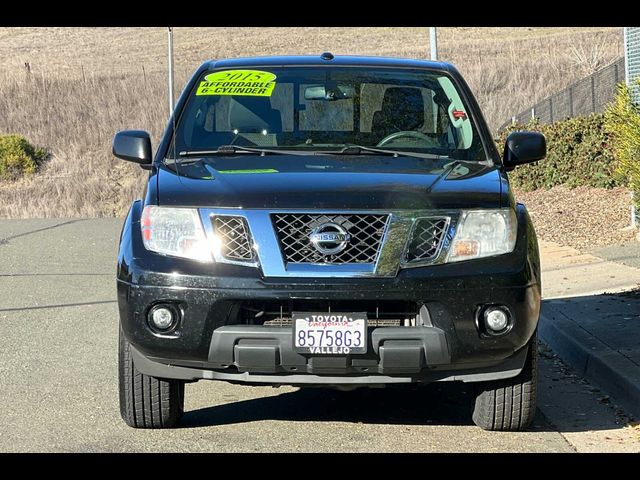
(5, 241)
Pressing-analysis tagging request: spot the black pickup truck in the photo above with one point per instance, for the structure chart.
(328, 221)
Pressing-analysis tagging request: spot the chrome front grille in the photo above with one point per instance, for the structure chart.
(304, 244)
(365, 237)
(233, 235)
(426, 239)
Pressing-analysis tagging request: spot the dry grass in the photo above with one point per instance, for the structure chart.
(83, 179)
(87, 83)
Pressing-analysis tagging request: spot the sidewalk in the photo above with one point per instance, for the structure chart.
(589, 324)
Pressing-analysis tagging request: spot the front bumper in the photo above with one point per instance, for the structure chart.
(447, 343)
(260, 359)
(210, 345)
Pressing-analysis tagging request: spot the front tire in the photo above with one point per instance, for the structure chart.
(146, 402)
(509, 404)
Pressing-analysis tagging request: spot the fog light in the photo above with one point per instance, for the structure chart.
(163, 317)
(496, 319)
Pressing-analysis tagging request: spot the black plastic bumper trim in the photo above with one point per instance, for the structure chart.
(507, 368)
(269, 350)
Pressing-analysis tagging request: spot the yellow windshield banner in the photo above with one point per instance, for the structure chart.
(253, 83)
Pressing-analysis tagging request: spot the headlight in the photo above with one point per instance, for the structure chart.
(174, 231)
(483, 233)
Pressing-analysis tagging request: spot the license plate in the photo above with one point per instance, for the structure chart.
(330, 333)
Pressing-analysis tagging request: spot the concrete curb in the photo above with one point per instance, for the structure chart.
(611, 371)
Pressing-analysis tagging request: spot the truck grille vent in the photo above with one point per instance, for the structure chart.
(235, 243)
(426, 239)
(274, 313)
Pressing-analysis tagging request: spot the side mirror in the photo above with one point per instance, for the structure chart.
(133, 146)
(523, 147)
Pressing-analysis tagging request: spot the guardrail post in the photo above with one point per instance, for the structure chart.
(593, 94)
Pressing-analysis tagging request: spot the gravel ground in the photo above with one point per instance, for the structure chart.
(584, 218)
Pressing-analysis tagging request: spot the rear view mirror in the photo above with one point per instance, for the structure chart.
(523, 147)
(329, 93)
(133, 146)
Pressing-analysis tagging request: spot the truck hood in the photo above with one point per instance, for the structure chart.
(331, 182)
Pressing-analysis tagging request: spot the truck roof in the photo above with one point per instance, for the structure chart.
(325, 59)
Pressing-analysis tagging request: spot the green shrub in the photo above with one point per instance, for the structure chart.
(578, 153)
(622, 122)
(18, 157)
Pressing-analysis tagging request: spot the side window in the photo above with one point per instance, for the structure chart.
(282, 100)
(370, 102)
(222, 114)
(455, 119)
(372, 98)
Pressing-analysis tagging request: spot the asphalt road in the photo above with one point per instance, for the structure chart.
(58, 378)
(627, 254)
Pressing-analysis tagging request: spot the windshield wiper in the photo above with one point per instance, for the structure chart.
(360, 149)
(225, 150)
(183, 157)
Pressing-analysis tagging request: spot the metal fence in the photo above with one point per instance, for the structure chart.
(591, 94)
(632, 55)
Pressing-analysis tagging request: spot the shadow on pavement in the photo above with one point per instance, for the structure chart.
(569, 403)
(436, 404)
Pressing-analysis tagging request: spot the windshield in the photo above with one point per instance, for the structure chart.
(328, 110)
